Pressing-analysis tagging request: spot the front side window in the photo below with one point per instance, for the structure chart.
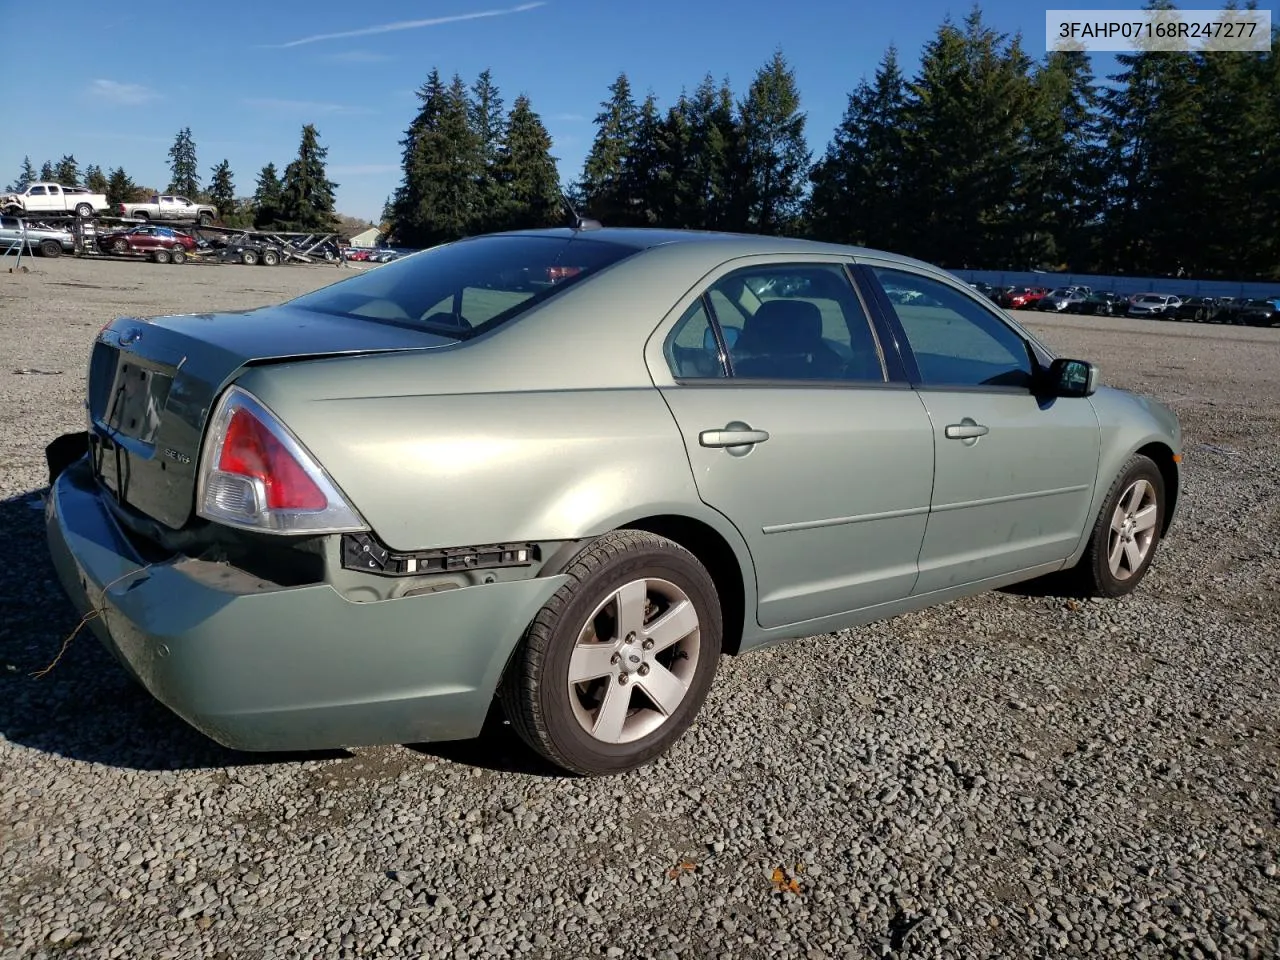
(795, 322)
(466, 288)
(955, 340)
(37, 192)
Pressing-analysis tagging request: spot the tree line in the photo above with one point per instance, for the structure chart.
(986, 157)
(300, 199)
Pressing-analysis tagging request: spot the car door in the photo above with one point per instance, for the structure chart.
(143, 238)
(778, 385)
(1014, 471)
(37, 200)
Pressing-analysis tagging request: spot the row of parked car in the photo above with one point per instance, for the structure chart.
(1079, 299)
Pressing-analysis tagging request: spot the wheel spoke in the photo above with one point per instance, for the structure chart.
(1133, 555)
(1113, 558)
(612, 715)
(1145, 518)
(678, 622)
(589, 661)
(629, 601)
(664, 688)
(1117, 520)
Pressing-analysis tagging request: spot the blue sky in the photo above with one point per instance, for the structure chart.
(246, 77)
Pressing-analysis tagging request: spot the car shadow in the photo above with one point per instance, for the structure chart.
(85, 707)
(497, 748)
(1061, 584)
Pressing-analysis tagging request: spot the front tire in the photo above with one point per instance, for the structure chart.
(1126, 533)
(161, 256)
(615, 667)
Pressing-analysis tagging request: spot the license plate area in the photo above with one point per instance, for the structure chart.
(125, 430)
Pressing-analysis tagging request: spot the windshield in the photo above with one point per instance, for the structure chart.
(465, 288)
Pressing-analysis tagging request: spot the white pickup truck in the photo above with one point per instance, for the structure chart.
(52, 198)
(170, 207)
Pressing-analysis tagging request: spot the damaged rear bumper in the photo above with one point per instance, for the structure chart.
(255, 666)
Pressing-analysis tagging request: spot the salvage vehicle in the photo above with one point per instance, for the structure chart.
(572, 468)
(148, 240)
(1062, 300)
(53, 198)
(1158, 306)
(1020, 298)
(1259, 313)
(171, 207)
(47, 241)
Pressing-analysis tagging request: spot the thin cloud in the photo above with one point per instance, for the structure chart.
(359, 56)
(303, 106)
(364, 169)
(122, 94)
(566, 117)
(409, 25)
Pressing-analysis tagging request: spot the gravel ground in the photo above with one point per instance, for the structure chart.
(1016, 774)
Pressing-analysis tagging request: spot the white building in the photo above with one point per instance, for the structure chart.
(368, 238)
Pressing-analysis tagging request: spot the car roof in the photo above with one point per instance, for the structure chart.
(721, 244)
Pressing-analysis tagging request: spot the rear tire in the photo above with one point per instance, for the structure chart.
(248, 257)
(161, 256)
(638, 625)
(204, 220)
(178, 256)
(50, 248)
(84, 211)
(1126, 533)
(142, 215)
(270, 258)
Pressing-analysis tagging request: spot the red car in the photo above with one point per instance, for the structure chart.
(146, 240)
(1021, 298)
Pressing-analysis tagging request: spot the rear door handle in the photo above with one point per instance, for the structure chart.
(733, 435)
(966, 430)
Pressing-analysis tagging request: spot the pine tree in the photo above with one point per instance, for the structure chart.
(266, 198)
(306, 193)
(526, 172)
(25, 176)
(857, 185)
(183, 169)
(120, 188)
(488, 124)
(675, 204)
(46, 172)
(67, 172)
(639, 181)
(774, 149)
(602, 173)
(222, 191)
(711, 174)
(95, 179)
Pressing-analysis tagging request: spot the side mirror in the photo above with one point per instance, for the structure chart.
(730, 338)
(1072, 378)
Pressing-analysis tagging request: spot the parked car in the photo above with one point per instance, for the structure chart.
(1101, 304)
(1021, 298)
(1260, 313)
(1154, 305)
(46, 241)
(1061, 300)
(53, 198)
(171, 207)
(335, 521)
(986, 289)
(146, 240)
(1199, 309)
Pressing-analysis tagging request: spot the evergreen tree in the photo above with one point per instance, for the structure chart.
(46, 172)
(857, 185)
(183, 169)
(95, 179)
(602, 173)
(711, 173)
(266, 198)
(488, 124)
(25, 176)
(676, 204)
(638, 183)
(306, 193)
(120, 188)
(67, 172)
(526, 172)
(222, 191)
(774, 149)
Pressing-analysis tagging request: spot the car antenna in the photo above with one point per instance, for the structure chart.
(576, 221)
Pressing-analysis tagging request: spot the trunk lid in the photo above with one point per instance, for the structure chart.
(152, 384)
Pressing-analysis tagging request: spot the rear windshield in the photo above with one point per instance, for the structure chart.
(466, 288)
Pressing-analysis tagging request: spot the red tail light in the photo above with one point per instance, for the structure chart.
(250, 450)
(556, 274)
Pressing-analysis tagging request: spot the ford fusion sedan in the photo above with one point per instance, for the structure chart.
(570, 469)
(1154, 305)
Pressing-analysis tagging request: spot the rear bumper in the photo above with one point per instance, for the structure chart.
(300, 668)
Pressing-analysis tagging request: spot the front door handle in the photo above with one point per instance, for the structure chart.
(733, 435)
(966, 429)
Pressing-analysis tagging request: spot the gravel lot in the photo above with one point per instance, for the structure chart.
(1017, 774)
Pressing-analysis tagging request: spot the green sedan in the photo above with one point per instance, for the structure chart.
(570, 469)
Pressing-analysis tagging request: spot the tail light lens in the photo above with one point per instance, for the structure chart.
(254, 473)
(556, 274)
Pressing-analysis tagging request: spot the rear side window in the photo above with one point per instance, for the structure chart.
(466, 288)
